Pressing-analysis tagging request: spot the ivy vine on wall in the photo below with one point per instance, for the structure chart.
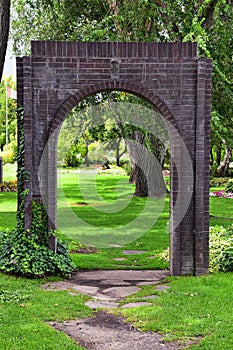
(27, 252)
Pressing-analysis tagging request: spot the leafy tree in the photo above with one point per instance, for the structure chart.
(4, 31)
(12, 122)
(209, 22)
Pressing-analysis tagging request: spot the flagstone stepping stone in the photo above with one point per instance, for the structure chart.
(137, 304)
(90, 290)
(120, 292)
(148, 283)
(105, 331)
(162, 287)
(126, 275)
(56, 286)
(115, 283)
(97, 304)
(102, 297)
(119, 259)
(151, 296)
(129, 252)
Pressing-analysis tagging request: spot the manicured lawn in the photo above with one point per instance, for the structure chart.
(99, 211)
(9, 172)
(8, 207)
(24, 310)
(191, 307)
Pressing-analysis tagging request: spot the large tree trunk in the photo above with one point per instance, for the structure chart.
(4, 31)
(147, 171)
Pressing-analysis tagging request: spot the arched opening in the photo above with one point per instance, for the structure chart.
(148, 119)
(106, 210)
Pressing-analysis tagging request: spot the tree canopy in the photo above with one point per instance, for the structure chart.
(209, 22)
(4, 30)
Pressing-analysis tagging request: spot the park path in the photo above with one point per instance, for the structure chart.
(103, 330)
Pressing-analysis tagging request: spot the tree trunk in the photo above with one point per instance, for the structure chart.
(4, 31)
(218, 156)
(118, 152)
(225, 164)
(141, 164)
(146, 170)
(86, 160)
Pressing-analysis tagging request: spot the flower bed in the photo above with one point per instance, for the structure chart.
(8, 186)
(221, 194)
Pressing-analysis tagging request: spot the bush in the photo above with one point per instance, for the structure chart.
(74, 157)
(26, 255)
(29, 255)
(125, 164)
(8, 157)
(229, 187)
(8, 186)
(221, 248)
(219, 181)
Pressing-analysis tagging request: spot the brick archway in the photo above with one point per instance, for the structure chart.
(58, 75)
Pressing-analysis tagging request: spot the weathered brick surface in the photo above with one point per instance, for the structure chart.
(58, 75)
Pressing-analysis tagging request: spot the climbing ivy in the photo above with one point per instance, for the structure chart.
(28, 253)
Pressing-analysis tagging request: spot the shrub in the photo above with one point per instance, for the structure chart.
(8, 186)
(229, 187)
(126, 166)
(219, 181)
(74, 157)
(221, 249)
(29, 255)
(8, 157)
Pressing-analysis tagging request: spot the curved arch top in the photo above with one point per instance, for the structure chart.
(73, 100)
(58, 75)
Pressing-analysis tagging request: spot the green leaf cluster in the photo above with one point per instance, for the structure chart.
(221, 249)
(75, 155)
(29, 255)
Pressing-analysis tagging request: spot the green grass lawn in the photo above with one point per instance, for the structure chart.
(193, 306)
(24, 310)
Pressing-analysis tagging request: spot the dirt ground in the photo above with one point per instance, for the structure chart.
(105, 331)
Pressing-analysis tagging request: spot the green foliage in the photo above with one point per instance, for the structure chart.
(229, 187)
(17, 296)
(75, 155)
(8, 186)
(219, 181)
(210, 23)
(29, 255)
(221, 249)
(12, 122)
(125, 164)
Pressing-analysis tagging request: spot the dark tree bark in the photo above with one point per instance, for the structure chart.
(4, 30)
(147, 172)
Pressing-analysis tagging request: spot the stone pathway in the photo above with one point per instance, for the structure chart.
(103, 330)
(108, 288)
